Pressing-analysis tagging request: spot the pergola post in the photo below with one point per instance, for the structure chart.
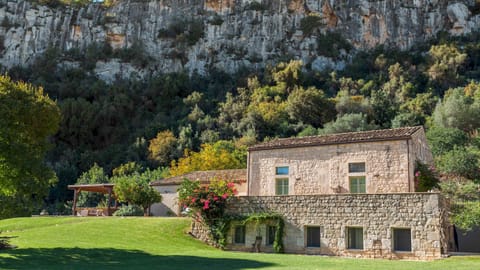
(75, 198)
(109, 201)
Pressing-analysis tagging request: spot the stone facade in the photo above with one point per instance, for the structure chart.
(379, 215)
(323, 216)
(323, 169)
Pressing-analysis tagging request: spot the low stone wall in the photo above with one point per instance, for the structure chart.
(378, 214)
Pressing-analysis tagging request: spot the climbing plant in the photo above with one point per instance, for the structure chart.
(268, 218)
(207, 204)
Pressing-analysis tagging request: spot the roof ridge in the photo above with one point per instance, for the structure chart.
(325, 139)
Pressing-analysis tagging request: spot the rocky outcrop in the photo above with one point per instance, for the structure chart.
(198, 35)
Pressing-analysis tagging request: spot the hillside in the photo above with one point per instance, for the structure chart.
(172, 85)
(151, 243)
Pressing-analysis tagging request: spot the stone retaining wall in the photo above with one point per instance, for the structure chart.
(378, 214)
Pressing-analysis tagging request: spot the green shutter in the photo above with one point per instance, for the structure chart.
(357, 184)
(281, 186)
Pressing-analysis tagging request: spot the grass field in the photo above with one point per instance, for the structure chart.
(157, 243)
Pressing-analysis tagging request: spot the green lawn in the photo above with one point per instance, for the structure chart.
(157, 243)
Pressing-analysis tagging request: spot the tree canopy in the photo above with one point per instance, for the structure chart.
(28, 118)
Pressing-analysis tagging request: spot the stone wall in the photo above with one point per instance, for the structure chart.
(378, 214)
(324, 169)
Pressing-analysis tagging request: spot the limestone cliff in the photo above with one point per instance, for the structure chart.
(197, 35)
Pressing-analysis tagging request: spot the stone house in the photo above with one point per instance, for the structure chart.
(350, 194)
(168, 188)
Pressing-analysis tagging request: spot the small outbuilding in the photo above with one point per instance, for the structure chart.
(168, 188)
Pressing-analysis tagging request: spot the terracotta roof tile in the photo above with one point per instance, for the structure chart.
(235, 175)
(339, 138)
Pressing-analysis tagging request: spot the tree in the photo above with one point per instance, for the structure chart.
(288, 74)
(28, 118)
(217, 156)
(162, 148)
(348, 123)
(133, 189)
(457, 111)
(442, 140)
(465, 202)
(445, 62)
(95, 175)
(348, 104)
(460, 162)
(127, 169)
(310, 106)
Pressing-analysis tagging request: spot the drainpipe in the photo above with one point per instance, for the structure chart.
(408, 162)
(248, 173)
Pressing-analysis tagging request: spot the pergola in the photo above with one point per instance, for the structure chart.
(98, 188)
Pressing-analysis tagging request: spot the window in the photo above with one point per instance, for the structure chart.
(239, 237)
(357, 184)
(281, 186)
(313, 236)
(271, 231)
(281, 180)
(281, 170)
(354, 238)
(402, 240)
(358, 167)
(356, 177)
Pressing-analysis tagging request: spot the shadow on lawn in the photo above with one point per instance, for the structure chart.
(91, 259)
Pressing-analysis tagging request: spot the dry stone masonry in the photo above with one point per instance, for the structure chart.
(378, 215)
(347, 194)
(198, 35)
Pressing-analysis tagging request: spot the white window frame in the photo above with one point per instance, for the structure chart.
(282, 177)
(356, 175)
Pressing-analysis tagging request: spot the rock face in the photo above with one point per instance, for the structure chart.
(198, 35)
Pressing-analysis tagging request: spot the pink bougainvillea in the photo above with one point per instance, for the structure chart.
(208, 200)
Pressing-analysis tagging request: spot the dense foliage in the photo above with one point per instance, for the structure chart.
(28, 117)
(190, 122)
(426, 178)
(134, 190)
(129, 211)
(207, 203)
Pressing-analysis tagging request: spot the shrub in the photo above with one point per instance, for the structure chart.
(309, 23)
(208, 201)
(188, 31)
(128, 211)
(216, 20)
(256, 6)
(331, 43)
(425, 177)
(207, 204)
(461, 162)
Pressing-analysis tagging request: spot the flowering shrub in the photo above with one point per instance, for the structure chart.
(207, 201)
(425, 177)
